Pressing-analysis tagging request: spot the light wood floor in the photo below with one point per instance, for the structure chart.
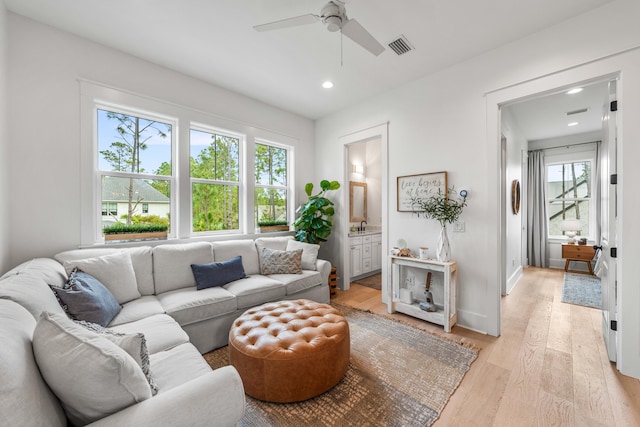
(548, 368)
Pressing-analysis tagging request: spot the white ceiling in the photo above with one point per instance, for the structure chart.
(213, 40)
(546, 116)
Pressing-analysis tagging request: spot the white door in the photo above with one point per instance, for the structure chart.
(608, 231)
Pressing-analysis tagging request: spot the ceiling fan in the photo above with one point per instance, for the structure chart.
(334, 16)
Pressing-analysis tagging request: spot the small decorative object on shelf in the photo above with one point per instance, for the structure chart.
(428, 305)
(444, 210)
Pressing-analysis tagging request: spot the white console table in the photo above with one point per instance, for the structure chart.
(446, 314)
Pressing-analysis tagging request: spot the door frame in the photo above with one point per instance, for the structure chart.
(496, 233)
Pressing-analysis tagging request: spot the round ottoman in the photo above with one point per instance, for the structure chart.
(289, 351)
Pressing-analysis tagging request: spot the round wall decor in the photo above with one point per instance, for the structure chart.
(515, 196)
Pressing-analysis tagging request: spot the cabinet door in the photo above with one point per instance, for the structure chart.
(376, 255)
(356, 260)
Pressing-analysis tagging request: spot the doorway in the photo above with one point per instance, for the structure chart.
(372, 170)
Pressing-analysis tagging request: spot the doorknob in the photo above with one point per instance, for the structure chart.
(596, 247)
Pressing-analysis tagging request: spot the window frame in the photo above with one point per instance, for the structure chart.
(575, 155)
(182, 118)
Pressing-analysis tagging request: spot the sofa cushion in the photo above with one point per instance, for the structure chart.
(189, 305)
(31, 290)
(172, 264)
(256, 290)
(218, 273)
(309, 253)
(161, 331)
(295, 283)
(281, 262)
(134, 344)
(278, 243)
(141, 259)
(45, 268)
(177, 366)
(91, 376)
(84, 297)
(224, 251)
(22, 388)
(137, 309)
(115, 271)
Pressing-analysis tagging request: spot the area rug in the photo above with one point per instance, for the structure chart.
(374, 281)
(398, 376)
(582, 289)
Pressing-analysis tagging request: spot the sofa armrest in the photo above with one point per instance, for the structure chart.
(215, 398)
(324, 267)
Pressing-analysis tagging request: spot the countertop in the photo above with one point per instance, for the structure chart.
(363, 233)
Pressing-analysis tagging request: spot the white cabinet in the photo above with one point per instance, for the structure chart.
(365, 254)
(355, 256)
(376, 252)
(403, 269)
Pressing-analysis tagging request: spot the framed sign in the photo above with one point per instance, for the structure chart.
(419, 186)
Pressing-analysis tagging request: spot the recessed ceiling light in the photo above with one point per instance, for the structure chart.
(574, 91)
(327, 84)
(573, 124)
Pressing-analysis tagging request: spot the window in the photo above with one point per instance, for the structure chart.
(215, 180)
(569, 195)
(134, 166)
(271, 167)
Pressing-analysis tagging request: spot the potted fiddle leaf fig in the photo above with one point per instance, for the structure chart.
(314, 223)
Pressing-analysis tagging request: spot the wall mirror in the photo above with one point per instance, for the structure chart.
(357, 201)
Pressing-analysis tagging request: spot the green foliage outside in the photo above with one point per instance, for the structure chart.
(271, 223)
(440, 207)
(215, 201)
(270, 170)
(314, 223)
(120, 228)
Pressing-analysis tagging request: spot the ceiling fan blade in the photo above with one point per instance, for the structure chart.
(309, 18)
(358, 34)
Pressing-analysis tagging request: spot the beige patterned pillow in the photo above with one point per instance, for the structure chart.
(281, 262)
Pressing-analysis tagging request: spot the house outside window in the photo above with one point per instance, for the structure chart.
(271, 183)
(134, 166)
(215, 180)
(145, 208)
(569, 195)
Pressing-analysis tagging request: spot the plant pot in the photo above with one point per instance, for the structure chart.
(271, 228)
(123, 237)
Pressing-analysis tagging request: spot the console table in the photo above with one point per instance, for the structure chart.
(584, 253)
(446, 314)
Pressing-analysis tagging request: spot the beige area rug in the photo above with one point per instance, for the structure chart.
(398, 376)
(374, 281)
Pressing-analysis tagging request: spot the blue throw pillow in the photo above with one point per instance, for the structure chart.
(218, 273)
(83, 297)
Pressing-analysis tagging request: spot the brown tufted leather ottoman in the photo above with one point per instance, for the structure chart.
(290, 351)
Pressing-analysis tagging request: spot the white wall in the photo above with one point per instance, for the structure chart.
(439, 123)
(516, 145)
(4, 142)
(44, 67)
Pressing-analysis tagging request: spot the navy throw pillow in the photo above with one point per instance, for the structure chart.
(84, 297)
(218, 273)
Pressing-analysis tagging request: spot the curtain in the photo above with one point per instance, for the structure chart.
(537, 210)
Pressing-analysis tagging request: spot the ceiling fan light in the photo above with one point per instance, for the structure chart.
(333, 23)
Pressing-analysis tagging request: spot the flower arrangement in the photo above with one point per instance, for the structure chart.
(440, 207)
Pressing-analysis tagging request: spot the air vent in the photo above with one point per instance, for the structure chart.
(401, 45)
(581, 110)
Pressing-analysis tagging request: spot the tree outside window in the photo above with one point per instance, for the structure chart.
(215, 181)
(569, 195)
(271, 169)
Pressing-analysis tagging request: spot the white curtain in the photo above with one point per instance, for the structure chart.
(537, 210)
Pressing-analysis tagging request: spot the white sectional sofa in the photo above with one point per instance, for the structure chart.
(41, 384)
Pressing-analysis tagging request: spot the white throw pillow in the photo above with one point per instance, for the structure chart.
(309, 253)
(91, 375)
(115, 271)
